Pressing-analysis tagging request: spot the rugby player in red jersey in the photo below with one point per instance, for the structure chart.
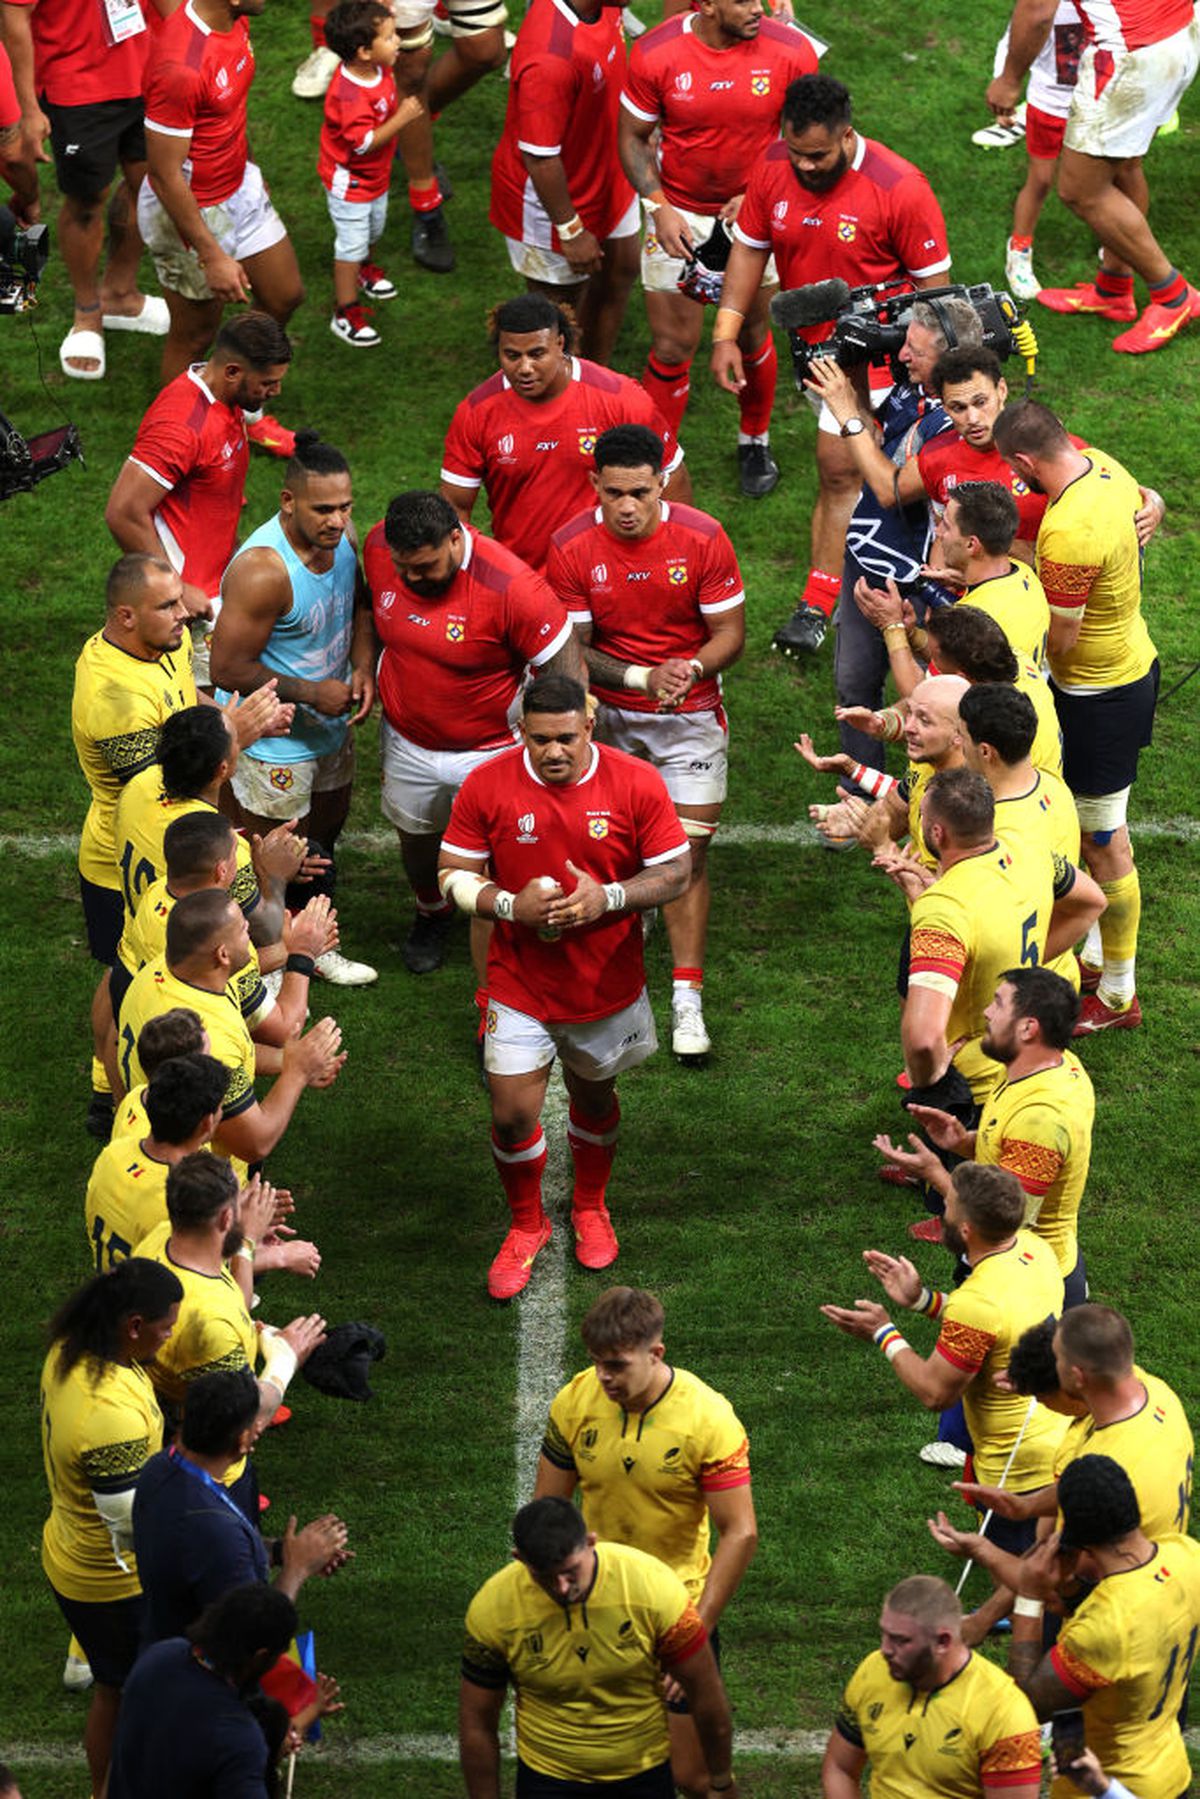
(708, 86)
(826, 203)
(460, 618)
(655, 592)
(204, 210)
(577, 839)
(527, 435)
(567, 213)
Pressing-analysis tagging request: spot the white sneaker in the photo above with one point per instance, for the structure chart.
(77, 1674)
(1023, 284)
(340, 971)
(942, 1455)
(315, 73)
(1000, 137)
(689, 1039)
(352, 325)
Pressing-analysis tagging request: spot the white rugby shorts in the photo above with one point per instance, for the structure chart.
(419, 785)
(514, 1043)
(690, 750)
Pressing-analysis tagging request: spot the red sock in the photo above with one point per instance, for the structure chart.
(668, 384)
(429, 900)
(593, 1145)
(316, 24)
(821, 590)
(1020, 241)
(688, 977)
(520, 1169)
(1171, 292)
(1117, 287)
(424, 199)
(758, 396)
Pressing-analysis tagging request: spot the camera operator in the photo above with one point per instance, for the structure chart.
(826, 203)
(16, 156)
(888, 531)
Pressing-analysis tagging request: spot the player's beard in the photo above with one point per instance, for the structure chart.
(999, 1052)
(827, 179)
(234, 1238)
(953, 1239)
(431, 589)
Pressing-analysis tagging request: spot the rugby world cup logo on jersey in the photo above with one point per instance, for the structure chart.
(779, 212)
(525, 828)
(683, 82)
(505, 446)
(677, 571)
(387, 599)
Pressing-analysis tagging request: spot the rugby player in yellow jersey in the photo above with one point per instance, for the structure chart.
(659, 1460)
(127, 1190)
(1036, 1121)
(1126, 1652)
(210, 1242)
(100, 1424)
(584, 1631)
(208, 940)
(175, 1033)
(974, 533)
(933, 1720)
(1104, 670)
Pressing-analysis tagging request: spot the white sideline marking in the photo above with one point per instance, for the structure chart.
(542, 1331)
(39, 844)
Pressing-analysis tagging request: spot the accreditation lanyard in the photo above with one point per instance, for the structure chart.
(120, 20)
(214, 1486)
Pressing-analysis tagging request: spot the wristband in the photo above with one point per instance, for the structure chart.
(280, 1361)
(1027, 1608)
(893, 724)
(695, 664)
(930, 1303)
(891, 630)
(918, 639)
(614, 897)
(502, 903)
(652, 202)
(888, 1338)
(872, 780)
(637, 677)
(300, 965)
(570, 228)
(724, 330)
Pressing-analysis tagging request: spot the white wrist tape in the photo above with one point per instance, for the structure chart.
(503, 903)
(279, 1359)
(637, 677)
(614, 897)
(1027, 1608)
(461, 887)
(116, 1514)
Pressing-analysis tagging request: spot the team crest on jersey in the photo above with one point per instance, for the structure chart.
(598, 829)
(525, 828)
(779, 212)
(683, 81)
(283, 779)
(760, 81)
(1018, 486)
(847, 230)
(677, 571)
(456, 629)
(587, 440)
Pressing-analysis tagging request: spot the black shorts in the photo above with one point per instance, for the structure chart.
(1104, 733)
(104, 916)
(1013, 1535)
(651, 1783)
(90, 141)
(119, 982)
(1075, 1286)
(110, 1632)
(681, 1707)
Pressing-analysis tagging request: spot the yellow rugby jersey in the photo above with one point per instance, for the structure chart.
(1044, 818)
(1018, 604)
(1156, 1449)
(140, 823)
(945, 1744)
(587, 1676)
(987, 913)
(129, 1119)
(145, 938)
(1047, 744)
(1003, 1296)
(913, 783)
(97, 1431)
(1040, 1127)
(644, 1476)
(1127, 1653)
(126, 1199)
(1091, 567)
(155, 990)
(117, 711)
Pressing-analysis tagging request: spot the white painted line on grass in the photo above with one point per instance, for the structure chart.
(542, 1328)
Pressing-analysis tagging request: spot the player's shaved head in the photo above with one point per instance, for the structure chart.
(1027, 428)
(622, 1318)
(629, 446)
(942, 694)
(991, 1200)
(198, 1189)
(195, 843)
(973, 641)
(193, 745)
(963, 804)
(531, 312)
(1002, 717)
(178, 1032)
(928, 1601)
(129, 577)
(546, 1531)
(1098, 1340)
(182, 1093)
(197, 923)
(987, 511)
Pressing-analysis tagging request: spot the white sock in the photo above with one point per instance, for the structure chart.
(1116, 987)
(753, 437)
(1093, 950)
(684, 994)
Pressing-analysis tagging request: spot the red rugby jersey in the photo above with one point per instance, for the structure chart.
(615, 821)
(195, 447)
(719, 108)
(73, 62)
(354, 110)
(1132, 24)
(452, 663)
(196, 86)
(564, 91)
(647, 598)
(534, 457)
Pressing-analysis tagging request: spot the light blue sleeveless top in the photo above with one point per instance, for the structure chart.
(311, 642)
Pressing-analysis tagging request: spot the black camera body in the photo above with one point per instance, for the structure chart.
(869, 323)
(24, 253)
(24, 461)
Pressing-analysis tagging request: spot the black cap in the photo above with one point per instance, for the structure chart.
(1097, 1502)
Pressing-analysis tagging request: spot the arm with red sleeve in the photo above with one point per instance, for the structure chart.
(918, 232)
(464, 462)
(544, 96)
(163, 455)
(725, 1484)
(173, 93)
(540, 630)
(938, 957)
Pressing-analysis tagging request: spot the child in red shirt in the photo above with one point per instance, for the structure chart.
(363, 117)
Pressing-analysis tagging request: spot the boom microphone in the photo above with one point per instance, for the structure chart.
(817, 304)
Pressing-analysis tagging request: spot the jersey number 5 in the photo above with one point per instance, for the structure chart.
(1029, 948)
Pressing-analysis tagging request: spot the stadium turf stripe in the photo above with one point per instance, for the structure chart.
(542, 1327)
(46, 844)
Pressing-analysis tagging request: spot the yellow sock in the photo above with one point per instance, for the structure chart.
(100, 1081)
(1119, 934)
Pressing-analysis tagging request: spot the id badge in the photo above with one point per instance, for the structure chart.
(122, 19)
